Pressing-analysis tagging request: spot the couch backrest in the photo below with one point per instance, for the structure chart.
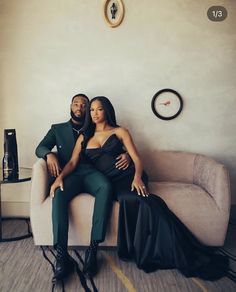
(173, 166)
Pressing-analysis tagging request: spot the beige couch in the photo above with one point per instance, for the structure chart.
(195, 187)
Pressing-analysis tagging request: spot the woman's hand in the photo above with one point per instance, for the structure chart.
(58, 183)
(123, 161)
(140, 187)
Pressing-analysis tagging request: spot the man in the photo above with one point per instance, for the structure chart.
(84, 179)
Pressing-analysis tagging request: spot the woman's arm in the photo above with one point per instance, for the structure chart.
(69, 167)
(127, 140)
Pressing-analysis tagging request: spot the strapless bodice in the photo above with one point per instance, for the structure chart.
(104, 157)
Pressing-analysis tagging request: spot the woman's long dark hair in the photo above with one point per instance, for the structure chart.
(89, 127)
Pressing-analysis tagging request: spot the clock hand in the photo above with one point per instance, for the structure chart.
(166, 103)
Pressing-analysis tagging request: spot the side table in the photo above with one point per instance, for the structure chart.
(24, 175)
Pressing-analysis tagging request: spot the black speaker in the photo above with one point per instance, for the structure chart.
(10, 159)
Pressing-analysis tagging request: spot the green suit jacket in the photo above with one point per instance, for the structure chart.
(60, 135)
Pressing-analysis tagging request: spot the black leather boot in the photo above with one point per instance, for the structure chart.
(64, 266)
(90, 263)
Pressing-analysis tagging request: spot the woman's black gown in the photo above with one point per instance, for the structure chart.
(148, 232)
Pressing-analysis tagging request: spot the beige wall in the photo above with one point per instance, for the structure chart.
(50, 50)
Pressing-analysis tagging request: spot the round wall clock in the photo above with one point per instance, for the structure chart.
(167, 104)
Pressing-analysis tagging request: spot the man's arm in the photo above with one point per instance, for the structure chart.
(46, 145)
(69, 167)
(43, 150)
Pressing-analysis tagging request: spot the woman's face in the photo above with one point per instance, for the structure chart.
(97, 112)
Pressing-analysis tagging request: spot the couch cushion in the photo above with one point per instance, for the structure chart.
(81, 212)
(175, 166)
(194, 207)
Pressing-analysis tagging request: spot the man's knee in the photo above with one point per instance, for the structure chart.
(104, 193)
(105, 190)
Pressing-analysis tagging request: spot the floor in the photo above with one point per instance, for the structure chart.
(24, 269)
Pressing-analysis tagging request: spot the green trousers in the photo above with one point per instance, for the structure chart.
(85, 179)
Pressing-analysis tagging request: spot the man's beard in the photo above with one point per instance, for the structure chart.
(79, 119)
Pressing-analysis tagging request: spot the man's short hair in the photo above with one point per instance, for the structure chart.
(80, 94)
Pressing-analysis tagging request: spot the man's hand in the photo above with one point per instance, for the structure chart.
(53, 164)
(123, 161)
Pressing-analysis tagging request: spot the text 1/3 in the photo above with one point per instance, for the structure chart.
(217, 13)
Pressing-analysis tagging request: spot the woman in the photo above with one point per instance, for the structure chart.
(148, 232)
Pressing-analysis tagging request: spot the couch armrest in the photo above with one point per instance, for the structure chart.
(39, 182)
(214, 178)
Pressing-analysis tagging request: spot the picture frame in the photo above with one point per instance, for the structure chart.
(113, 12)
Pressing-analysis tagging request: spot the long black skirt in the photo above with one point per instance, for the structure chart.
(151, 235)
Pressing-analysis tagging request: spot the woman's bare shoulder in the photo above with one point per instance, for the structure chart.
(121, 131)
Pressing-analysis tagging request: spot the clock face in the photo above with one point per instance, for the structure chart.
(167, 104)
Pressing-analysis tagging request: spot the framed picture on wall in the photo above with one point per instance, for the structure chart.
(113, 11)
